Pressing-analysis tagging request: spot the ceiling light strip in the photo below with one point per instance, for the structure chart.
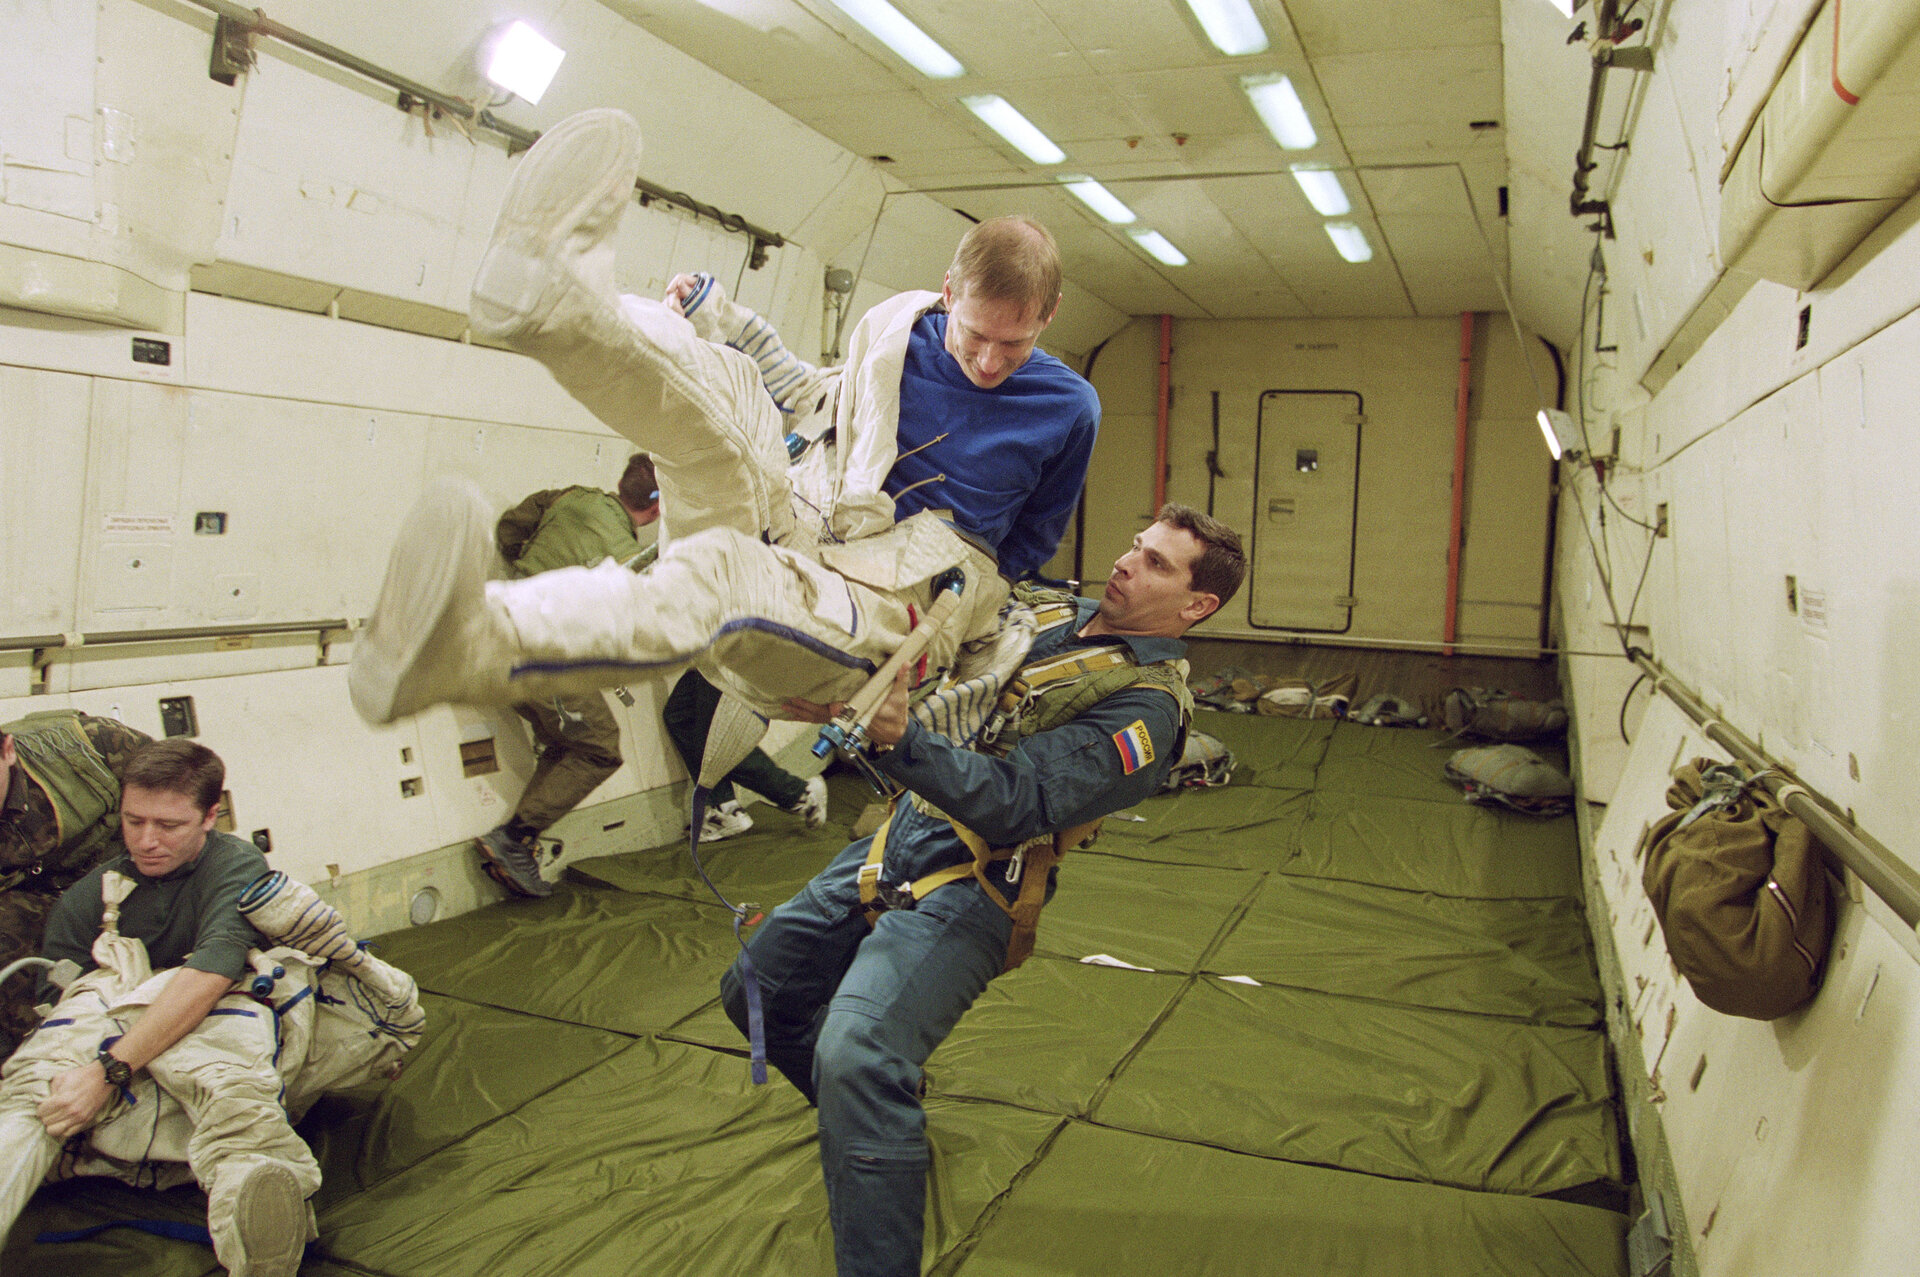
(1232, 25)
(1281, 110)
(1158, 246)
(999, 115)
(892, 28)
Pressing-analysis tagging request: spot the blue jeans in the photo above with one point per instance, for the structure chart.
(851, 1015)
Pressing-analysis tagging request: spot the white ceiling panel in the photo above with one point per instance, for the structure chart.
(1328, 27)
(1140, 100)
(1133, 36)
(1000, 40)
(1439, 87)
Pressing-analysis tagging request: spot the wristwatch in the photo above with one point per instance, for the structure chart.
(119, 1072)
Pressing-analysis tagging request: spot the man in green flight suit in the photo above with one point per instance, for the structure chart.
(59, 817)
(578, 735)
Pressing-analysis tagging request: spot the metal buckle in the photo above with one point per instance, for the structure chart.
(893, 897)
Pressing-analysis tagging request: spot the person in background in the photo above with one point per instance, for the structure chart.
(579, 738)
(59, 817)
(688, 714)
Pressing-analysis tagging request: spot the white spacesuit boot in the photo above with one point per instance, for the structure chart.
(546, 289)
(431, 638)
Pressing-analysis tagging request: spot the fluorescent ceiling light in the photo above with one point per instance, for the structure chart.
(1350, 240)
(893, 29)
(1099, 199)
(1156, 243)
(998, 114)
(1323, 190)
(1232, 25)
(523, 62)
(1566, 7)
(1280, 110)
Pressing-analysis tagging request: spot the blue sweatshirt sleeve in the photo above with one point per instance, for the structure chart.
(1110, 757)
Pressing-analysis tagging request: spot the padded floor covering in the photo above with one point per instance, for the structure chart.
(1343, 1023)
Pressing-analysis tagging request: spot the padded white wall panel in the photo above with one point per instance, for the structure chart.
(333, 184)
(42, 476)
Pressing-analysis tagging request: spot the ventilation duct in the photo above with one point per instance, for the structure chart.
(1835, 149)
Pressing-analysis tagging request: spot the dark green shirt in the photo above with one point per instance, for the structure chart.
(188, 918)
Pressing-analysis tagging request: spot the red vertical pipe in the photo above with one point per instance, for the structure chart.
(1459, 480)
(1160, 426)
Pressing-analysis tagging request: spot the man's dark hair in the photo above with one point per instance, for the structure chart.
(639, 487)
(1008, 259)
(177, 765)
(1222, 564)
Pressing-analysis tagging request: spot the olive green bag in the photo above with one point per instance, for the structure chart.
(1740, 887)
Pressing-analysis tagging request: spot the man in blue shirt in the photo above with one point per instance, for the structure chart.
(775, 587)
(862, 980)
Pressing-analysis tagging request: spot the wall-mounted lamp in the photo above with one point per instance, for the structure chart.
(1561, 431)
(521, 60)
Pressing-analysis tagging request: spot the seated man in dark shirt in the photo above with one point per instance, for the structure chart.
(169, 902)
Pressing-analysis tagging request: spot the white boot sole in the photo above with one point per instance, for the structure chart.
(565, 199)
(439, 562)
(270, 1216)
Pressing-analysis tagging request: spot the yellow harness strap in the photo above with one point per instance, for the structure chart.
(1038, 856)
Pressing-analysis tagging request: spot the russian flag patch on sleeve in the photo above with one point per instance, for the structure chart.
(1135, 744)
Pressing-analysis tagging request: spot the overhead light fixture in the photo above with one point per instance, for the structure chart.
(998, 114)
(1323, 190)
(1099, 199)
(1566, 7)
(895, 30)
(1156, 244)
(1561, 430)
(1232, 25)
(1350, 240)
(1280, 110)
(522, 61)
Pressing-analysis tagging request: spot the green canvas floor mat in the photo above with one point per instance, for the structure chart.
(1229, 827)
(1451, 849)
(1389, 762)
(669, 1161)
(1281, 753)
(1010, 1046)
(1525, 959)
(609, 959)
(89, 1203)
(1415, 1073)
(1412, 1094)
(763, 866)
(1158, 916)
(1106, 1202)
(474, 1064)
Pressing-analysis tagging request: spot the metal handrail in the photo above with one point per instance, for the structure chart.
(30, 642)
(1885, 874)
(256, 22)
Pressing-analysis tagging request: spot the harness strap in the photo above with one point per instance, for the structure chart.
(1036, 859)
